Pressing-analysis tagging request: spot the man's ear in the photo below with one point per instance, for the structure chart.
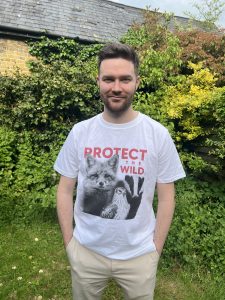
(97, 80)
(138, 82)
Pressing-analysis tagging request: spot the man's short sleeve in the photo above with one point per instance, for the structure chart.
(66, 163)
(170, 168)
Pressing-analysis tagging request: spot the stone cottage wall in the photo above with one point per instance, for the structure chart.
(13, 55)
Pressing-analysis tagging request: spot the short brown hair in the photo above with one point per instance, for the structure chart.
(118, 50)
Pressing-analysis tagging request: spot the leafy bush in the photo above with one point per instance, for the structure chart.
(197, 234)
(27, 180)
(182, 95)
(158, 49)
(197, 108)
(206, 47)
(8, 157)
(37, 112)
(51, 99)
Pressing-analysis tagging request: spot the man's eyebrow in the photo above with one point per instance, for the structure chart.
(126, 77)
(121, 77)
(108, 76)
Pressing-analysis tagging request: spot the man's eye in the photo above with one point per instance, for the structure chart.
(108, 80)
(126, 80)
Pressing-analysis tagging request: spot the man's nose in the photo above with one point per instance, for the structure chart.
(117, 86)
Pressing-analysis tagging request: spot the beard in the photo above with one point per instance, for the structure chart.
(117, 107)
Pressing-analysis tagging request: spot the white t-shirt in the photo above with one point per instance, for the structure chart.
(117, 167)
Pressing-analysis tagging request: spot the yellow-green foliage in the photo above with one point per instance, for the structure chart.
(182, 88)
(159, 66)
(189, 99)
(193, 105)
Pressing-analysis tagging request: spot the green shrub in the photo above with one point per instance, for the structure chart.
(182, 95)
(158, 49)
(8, 157)
(197, 234)
(204, 46)
(27, 179)
(40, 109)
(197, 108)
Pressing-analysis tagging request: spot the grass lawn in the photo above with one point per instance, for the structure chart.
(33, 265)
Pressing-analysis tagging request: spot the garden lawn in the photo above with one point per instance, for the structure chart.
(33, 265)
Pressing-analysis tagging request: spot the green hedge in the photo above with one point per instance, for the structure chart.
(197, 233)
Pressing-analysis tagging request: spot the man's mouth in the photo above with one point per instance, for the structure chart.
(116, 98)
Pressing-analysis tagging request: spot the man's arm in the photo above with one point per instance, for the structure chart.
(166, 205)
(65, 207)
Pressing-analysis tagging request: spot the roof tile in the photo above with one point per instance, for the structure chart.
(92, 20)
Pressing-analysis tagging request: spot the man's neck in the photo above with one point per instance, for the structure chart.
(125, 117)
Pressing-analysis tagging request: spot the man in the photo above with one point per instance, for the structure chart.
(118, 158)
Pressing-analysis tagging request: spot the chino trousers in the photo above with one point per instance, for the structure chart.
(90, 273)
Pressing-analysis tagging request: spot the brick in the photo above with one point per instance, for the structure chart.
(15, 55)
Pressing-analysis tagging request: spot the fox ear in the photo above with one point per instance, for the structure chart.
(90, 160)
(113, 162)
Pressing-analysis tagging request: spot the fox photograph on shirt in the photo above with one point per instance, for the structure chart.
(107, 196)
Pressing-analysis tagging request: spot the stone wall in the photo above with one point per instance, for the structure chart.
(13, 55)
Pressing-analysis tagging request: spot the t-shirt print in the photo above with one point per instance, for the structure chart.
(107, 195)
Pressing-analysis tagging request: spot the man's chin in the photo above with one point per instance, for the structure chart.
(117, 111)
(117, 107)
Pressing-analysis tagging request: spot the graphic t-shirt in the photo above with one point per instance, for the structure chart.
(117, 167)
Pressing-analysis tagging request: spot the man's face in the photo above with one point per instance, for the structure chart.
(117, 82)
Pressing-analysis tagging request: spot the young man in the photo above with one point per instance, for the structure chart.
(118, 158)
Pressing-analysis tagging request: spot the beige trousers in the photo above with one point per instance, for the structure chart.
(91, 272)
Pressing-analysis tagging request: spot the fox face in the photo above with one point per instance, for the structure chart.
(99, 183)
(101, 176)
